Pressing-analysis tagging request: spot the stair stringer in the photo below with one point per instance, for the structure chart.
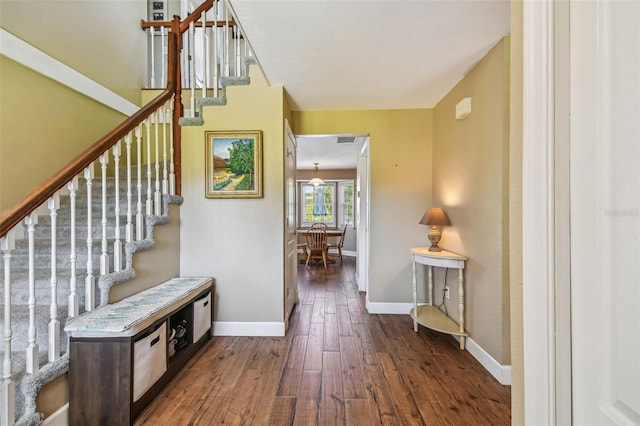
(106, 283)
(222, 100)
(29, 385)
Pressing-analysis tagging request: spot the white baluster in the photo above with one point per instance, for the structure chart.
(117, 244)
(184, 59)
(203, 55)
(149, 192)
(192, 69)
(163, 56)
(74, 304)
(32, 349)
(172, 173)
(215, 55)
(157, 195)
(54, 324)
(207, 55)
(104, 257)
(139, 214)
(225, 6)
(152, 34)
(237, 44)
(89, 284)
(128, 229)
(7, 414)
(165, 177)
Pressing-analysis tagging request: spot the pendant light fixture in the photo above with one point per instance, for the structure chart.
(316, 180)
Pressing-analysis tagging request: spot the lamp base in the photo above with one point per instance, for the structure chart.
(434, 236)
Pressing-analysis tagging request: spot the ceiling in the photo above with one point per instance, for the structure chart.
(369, 54)
(327, 152)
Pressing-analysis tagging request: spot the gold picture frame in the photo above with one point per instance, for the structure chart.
(233, 164)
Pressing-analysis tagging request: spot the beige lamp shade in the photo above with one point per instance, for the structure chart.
(435, 217)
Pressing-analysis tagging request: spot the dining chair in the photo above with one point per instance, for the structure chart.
(317, 245)
(337, 246)
(319, 225)
(303, 252)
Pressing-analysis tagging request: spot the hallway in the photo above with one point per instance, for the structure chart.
(337, 365)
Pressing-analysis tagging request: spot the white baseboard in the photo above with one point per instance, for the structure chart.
(502, 373)
(59, 418)
(389, 308)
(349, 253)
(25, 54)
(231, 328)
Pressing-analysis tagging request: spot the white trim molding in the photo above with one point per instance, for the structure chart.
(389, 308)
(233, 328)
(502, 373)
(25, 54)
(59, 418)
(538, 208)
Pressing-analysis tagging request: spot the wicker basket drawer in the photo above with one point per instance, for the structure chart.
(150, 360)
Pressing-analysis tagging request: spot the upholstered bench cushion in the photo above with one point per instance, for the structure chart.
(133, 314)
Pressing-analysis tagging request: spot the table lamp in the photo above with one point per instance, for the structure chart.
(435, 217)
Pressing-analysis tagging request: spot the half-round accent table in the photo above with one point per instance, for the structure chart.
(429, 315)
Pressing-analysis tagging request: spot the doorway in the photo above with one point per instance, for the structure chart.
(341, 162)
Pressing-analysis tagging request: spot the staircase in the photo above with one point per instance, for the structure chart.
(67, 244)
(28, 384)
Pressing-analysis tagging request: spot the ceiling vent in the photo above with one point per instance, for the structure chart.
(346, 139)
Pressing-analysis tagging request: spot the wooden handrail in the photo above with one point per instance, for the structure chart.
(195, 15)
(12, 216)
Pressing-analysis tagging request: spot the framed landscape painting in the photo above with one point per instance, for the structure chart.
(233, 164)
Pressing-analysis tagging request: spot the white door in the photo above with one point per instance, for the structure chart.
(605, 211)
(290, 231)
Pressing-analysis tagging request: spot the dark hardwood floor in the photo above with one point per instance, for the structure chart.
(337, 365)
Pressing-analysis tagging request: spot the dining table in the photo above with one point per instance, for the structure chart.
(331, 233)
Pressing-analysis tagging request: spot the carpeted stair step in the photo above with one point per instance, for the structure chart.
(42, 251)
(20, 327)
(225, 82)
(42, 281)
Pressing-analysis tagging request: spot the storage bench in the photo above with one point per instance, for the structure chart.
(121, 355)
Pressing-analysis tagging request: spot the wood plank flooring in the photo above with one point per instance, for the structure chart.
(337, 365)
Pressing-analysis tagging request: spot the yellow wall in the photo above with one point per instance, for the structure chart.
(238, 241)
(470, 181)
(328, 174)
(400, 156)
(100, 39)
(43, 125)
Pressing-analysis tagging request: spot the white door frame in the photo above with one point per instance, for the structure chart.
(540, 349)
(364, 179)
(290, 224)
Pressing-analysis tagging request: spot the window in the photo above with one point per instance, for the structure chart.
(346, 203)
(317, 204)
(331, 203)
